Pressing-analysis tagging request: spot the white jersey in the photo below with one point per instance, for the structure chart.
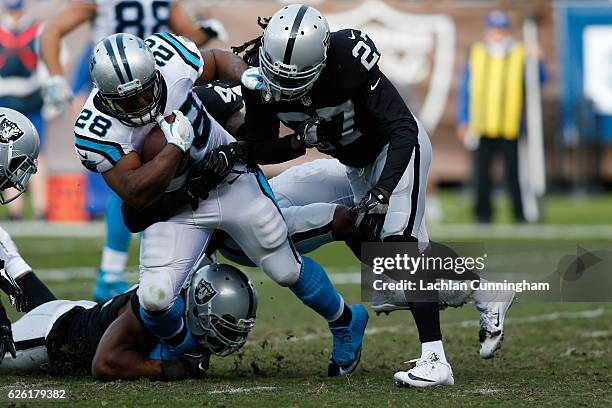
(102, 140)
(139, 17)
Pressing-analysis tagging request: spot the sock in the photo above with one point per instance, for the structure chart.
(314, 288)
(35, 293)
(427, 318)
(168, 323)
(435, 346)
(345, 318)
(115, 253)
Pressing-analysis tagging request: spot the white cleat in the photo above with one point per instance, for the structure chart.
(492, 316)
(428, 371)
(387, 301)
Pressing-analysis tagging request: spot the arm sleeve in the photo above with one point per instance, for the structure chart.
(394, 118)
(262, 133)
(463, 105)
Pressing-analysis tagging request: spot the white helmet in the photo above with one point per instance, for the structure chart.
(293, 51)
(129, 85)
(19, 147)
(221, 304)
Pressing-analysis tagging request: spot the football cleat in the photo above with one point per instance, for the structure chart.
(347, 342)
(109, 285)
(428, 371)
(387, 301)
(492, 316)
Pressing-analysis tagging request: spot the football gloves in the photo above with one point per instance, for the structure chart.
(371, 212)
(6, 341)
(214, 29)
(252, 79)
(12, 289)
(216, 165)
(309, 134)
(57, 93)
(192, 364)
(179, 133)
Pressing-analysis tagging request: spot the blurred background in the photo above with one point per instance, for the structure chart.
(564, 128)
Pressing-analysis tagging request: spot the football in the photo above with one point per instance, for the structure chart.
(155, 141)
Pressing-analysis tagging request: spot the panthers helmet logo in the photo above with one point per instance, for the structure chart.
(204, 292)
(9, 131)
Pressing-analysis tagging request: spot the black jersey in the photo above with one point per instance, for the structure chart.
(220, 100)
(74, 337)
(361, 112)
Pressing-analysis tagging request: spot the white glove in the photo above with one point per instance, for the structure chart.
(56, 94)
(252, 80)
(214, 29)
(179, 133)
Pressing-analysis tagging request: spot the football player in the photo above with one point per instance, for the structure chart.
(142, 18)
(110, 341)
(316, 216)
(140, 82)
(328, 88)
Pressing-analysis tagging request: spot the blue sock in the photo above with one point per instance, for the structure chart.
(314, 288)
(167, 323)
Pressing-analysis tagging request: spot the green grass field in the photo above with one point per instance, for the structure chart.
(553, 355)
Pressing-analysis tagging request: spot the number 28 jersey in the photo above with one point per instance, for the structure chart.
(139, 17)
(102, 140)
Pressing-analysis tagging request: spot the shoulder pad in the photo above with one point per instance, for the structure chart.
(219, 100)
(355, 54)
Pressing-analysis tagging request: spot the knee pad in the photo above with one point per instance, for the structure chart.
(269, 226)
(155, 290)
(282, 267)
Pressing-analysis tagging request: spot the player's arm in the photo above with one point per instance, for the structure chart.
(262, 126)
(120, 352)
(388, 109)
(70, 17)
(140, 184)
(223, 65)
(181, 24)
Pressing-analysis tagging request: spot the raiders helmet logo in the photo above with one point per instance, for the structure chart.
(9, 131)
(204, 292)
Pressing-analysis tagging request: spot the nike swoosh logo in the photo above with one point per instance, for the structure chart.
(352, 37)
(83, 155)
(414, 377)
(373, 87)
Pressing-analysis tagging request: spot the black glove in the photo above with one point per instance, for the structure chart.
(371, 210)
(193, 364)
(208, 173)
(6, 335)
(309, 134)
(12, 289)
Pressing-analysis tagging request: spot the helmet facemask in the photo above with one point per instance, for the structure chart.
(285, 83)
(136, 104)
(221, 335)
(15, 176)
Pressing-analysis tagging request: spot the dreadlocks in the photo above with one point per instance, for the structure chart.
(254, 44)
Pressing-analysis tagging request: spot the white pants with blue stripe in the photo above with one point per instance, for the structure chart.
(243, 208)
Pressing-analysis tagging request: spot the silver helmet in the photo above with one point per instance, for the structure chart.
(293, 52)
(123, 69)
(19, 146)
(221, 307)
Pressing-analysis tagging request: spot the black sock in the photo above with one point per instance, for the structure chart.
(427, 318)
(345, 318)
(35, 292)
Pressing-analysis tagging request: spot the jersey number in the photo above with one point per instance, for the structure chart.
(98, 126)
(225, 94)
(131, 15)
(162, 54)
(367, 52)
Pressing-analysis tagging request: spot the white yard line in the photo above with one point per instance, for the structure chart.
(242, 390)
(442, 232)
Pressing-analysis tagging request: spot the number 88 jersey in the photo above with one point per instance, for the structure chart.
(139, 17)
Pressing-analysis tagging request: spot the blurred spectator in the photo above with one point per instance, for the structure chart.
(20, 88)
(491, 106)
